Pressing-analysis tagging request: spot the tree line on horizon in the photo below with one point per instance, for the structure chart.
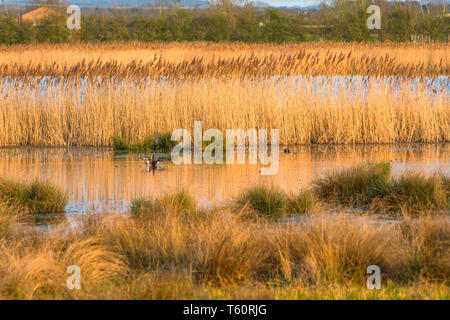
(342, 20)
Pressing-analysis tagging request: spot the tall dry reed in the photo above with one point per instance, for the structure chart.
(199, 59)
(307, 111)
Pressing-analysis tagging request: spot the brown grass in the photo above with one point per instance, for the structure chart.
(166, 255)
(128, 60)
(92, 114)
(225, 86)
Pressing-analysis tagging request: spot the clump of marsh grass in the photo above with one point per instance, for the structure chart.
(302, 202)
(35, 197)
(372, 186)
(354, 186)
(424, 249)
(267, 201)
(156, 143)
(8, 218)
(180, 202)
(445, 180)
(414, 193)
(340, 250)
(29, 273)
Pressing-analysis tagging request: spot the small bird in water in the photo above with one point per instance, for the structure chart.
(152, 162)
(287, 151)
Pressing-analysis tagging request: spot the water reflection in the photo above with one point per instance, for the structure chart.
(99, 181)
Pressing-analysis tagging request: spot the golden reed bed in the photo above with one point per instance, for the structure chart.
(200, 59)
(227, 86)
(91, 114)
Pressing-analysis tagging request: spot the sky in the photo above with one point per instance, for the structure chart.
(289, 3)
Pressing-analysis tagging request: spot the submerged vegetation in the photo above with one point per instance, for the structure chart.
(35, 197)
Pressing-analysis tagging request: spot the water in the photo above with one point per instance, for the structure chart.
(319, 84)
(99, 181)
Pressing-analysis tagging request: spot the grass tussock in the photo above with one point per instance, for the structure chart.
(180, 202)
(372, 185)
(425, 249)
(354, 186)
(303, 202)
(412, 192)
(270, 202)
(218, 255)
(34, 197)
(267, 201)
(445, 180)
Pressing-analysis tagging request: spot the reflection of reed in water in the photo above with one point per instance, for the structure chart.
(92, 174)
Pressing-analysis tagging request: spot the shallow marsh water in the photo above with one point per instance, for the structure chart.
(98, 180)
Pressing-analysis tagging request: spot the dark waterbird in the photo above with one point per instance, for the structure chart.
(152, 162)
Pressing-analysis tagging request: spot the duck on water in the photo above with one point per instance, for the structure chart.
(152, 162)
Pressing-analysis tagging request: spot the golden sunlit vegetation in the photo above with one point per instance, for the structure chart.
(102, 92)
(35, 197)
(172, 250)
(199, 59)
(266, 244)
(89, 114)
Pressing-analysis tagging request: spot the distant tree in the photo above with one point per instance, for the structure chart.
(436, 27)
(399, 23)
(54, 4)
(226, 4)
(8, 30)
(276, 27)
(346, 20)
(52, 29)
(249, 26)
